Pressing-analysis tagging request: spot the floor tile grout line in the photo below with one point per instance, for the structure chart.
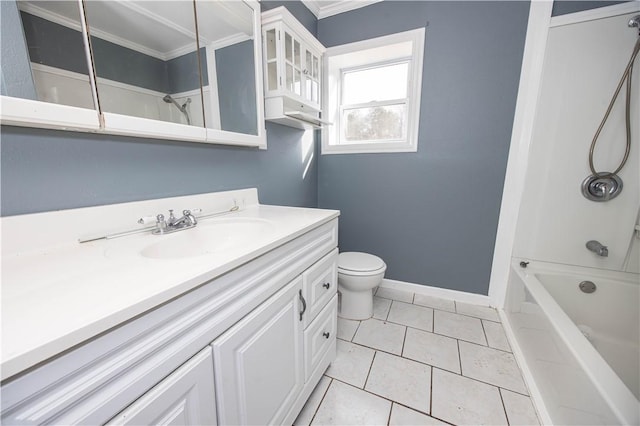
(488, 347)
(455, 304)
(404, 340)
(364, 386)
(331, 379)
(504, 407)
(431, 391)
(392, 401)
(484, 332)
(480, 381)
(459, 357)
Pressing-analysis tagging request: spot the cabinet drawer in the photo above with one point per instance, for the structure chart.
(319, 283)
(185, 397)
(320, 337)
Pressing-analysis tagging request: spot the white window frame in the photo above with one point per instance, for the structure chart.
(408, 47)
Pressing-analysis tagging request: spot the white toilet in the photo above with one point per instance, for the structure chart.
(358, 274)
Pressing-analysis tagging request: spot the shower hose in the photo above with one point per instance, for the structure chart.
(625, 76)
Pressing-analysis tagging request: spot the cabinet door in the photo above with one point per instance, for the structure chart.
(185, 397)
(311, 75)
(258, 362)
(292, 63)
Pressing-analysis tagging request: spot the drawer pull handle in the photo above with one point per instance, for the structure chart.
(304, 305)
(326, 285)
(326, 334)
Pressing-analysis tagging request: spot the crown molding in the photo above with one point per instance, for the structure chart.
(322, 10)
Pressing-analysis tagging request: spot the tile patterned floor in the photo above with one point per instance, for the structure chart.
(421, 361)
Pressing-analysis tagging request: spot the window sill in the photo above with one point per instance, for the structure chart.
(367, 149)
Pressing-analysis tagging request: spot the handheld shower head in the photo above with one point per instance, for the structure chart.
(168, 99)
(635, 23)
(182, 108)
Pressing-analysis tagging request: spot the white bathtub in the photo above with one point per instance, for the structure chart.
(581, 351)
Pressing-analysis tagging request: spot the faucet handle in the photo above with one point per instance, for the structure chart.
(145, 220)
(160, 222)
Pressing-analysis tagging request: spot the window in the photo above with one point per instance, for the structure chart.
(373, 95)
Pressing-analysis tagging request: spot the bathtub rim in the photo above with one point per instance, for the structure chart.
(620, 399)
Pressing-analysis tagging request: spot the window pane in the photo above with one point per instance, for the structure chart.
(375, 84)
(308, 61)
(273, 76)
(271, 44)
(296, 53)
(296, 82)
(374, 124)
(288, 53)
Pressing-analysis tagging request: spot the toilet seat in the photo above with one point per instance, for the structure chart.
(359, 264)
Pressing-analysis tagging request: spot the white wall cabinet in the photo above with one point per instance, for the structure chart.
(158, 368)
(292, 71)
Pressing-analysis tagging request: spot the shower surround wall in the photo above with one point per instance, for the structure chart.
(432, 215)
(583, 65)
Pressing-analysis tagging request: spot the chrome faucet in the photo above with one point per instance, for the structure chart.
(597, 248)
(188, 220)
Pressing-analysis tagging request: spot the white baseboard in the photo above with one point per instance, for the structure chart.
(443, 293)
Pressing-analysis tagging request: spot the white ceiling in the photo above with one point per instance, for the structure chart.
(162, 29)
(323, 8)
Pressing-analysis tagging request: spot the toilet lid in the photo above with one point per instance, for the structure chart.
(356, 261)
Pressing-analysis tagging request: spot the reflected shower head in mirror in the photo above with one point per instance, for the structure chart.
(182, 108)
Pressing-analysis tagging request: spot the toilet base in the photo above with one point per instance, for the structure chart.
(355, 305)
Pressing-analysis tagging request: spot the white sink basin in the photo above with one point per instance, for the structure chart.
(207, 237)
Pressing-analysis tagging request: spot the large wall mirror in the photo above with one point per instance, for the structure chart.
(181, 62)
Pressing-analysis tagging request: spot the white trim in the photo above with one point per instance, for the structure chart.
(56, 18)
(524, 118)
(282, 14)
(527, 375)
(356, 54)
(30, 113)
(442, 293)
(120, 124)
(320, 11)
(69, 23)
(59, 72)
(229, 41)
(593, 14)
(214, 97)
(107, 82)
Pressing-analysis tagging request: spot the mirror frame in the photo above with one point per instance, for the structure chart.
(39, 114)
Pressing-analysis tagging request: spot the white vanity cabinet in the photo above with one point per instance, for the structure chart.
(186, 397)
(264, 362)
(292, 60)
(240, 348)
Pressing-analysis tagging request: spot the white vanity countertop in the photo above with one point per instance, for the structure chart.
(56, 298)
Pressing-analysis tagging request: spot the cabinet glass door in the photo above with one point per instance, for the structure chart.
(312, 77)
(293, 69)
(270, 56)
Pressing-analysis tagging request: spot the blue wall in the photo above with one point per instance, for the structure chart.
(44, 170)
(15, 72)
(432, 215)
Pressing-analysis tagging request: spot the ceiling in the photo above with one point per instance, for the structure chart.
(324, 8)
(162, 29)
